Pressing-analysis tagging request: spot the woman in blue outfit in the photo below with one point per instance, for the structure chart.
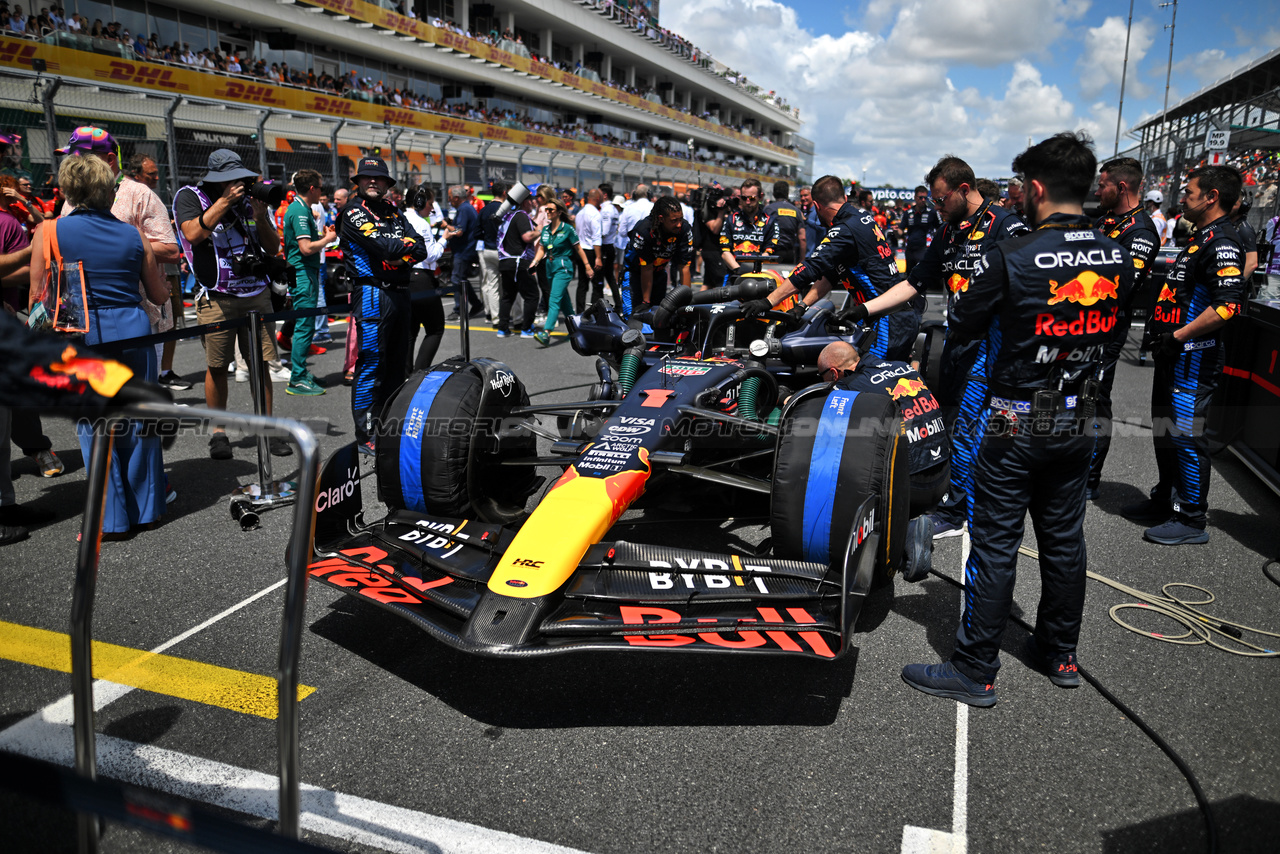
(557, 243)
(115, 257)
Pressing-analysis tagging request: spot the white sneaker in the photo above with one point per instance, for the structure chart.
(242, 376)
(280, 374)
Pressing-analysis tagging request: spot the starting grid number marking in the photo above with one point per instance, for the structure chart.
(248, 693)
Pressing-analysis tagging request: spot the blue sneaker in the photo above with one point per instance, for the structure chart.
(943, 680)
(1175, 533)
(943, 528)
(526, 333)
(1061, 670)
(501, 333)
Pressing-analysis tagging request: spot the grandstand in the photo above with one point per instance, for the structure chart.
(1246, 105)
(447, 91)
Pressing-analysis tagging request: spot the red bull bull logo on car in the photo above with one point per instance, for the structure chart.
(1086, 289)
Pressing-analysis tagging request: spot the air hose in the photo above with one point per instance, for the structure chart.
(747, 398)
(631, 363)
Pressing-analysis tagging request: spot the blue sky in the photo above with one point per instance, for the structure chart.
(888, 86)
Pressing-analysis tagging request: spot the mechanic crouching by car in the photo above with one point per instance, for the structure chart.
(855, 254)
(928, 452)
(230, 244)
(659, 248)
(380, 247)
(1058, 291)
(1205, 289)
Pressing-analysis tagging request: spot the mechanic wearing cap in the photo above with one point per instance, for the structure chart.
(1058, 288)
(971, 226)
(748, 230)
(223, 233)
(381, 246)
(1123, 220)
(855, 254)
(660, 248)
(1205, 290)
(1152, 202)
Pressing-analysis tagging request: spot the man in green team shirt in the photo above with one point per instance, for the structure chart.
(303, 245)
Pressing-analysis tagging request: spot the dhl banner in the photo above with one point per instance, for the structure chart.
(361, 11)
(67, 62)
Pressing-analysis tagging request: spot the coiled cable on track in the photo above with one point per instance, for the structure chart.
(1201, 628)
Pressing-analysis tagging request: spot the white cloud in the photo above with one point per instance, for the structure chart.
(886, 102)
(979, 32)
(1102, 62)
(1210, 66)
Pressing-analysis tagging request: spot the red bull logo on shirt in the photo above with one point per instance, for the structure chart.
(957, 283)
(1167, 294)
(906, 388)
(1086, 289)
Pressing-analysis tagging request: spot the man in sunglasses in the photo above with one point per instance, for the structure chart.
(747, 230)
(971, 226)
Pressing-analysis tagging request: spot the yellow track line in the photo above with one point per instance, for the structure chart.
(236, 690)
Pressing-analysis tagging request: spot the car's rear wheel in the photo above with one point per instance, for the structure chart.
(835, 449)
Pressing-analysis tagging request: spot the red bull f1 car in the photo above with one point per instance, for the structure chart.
(693, 390)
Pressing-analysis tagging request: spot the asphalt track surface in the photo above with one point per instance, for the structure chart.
(655, 753)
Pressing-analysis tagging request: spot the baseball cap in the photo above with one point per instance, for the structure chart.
(224, 165)
(619, 200)
(1155, 196)
(10, 138)
(88, 139)
(373, 167)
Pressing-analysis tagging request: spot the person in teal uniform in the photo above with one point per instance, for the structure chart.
(557, 243)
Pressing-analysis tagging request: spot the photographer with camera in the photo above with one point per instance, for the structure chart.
(225, 229)
(710, 207)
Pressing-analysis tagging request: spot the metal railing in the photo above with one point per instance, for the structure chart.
(297, 556)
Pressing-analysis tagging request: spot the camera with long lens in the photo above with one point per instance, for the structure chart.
(270, 193)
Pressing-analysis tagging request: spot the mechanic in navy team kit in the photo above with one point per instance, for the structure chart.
(1058, 288)
(791, 233)
(918, 226)
(660, 247)
(1203, 292)
(855, 254)
(927, 450)
(747, 230)
(971, 226)
(1124, 220)
(380, 248)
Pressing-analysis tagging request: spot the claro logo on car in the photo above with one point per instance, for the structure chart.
(336, 495)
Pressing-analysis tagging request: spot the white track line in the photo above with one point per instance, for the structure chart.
(924, 840)
(346, 817)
